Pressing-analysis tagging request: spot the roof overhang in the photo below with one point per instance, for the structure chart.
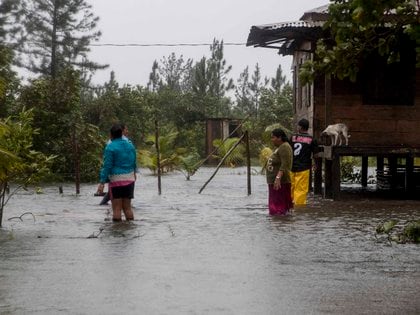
(287, 36)
(284, 36)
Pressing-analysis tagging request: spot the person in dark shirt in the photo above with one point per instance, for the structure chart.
(303, 146)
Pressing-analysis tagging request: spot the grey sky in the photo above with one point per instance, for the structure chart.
(187, 21)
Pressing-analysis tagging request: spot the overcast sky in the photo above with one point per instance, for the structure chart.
(187, 21)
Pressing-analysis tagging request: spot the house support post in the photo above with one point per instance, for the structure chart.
(335, 177)
(410, 184)
(318, 177)
(364, 171)
(332, 178)
(328, 179)
(393, 171)
(380, 163)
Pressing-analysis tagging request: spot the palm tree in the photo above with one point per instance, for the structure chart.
(236, 157)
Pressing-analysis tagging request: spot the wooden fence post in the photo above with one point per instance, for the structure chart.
(248, 163)
(158, 157)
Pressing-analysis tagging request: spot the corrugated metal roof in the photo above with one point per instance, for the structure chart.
(284, 35)
(294, 24)
(321, 9)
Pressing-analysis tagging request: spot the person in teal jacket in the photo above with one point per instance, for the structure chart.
(119, 171)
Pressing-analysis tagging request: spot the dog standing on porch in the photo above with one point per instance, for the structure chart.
(336, 132)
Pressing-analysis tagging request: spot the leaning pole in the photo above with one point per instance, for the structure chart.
(221, 162)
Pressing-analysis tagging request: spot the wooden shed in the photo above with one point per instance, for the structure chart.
(381, 109)
(220, 128)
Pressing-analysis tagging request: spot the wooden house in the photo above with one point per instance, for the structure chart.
(381, 109)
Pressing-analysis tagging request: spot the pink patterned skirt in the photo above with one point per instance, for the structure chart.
(121, 186)
(280, 201)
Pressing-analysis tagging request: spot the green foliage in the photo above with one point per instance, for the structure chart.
(20, 164)
(269, 129)
(236, 157)
(210, 82)
(359, 28)
(6, 157)
(174, 73)
(189, 164)
(348, 170)
(412, 231)
(192, 136)
(275, 107)
(169, 154)
(83, 147)
(63, 132)
(403, 232)
(265, 154)
(8, 80)
(74, 118)
(386, 227)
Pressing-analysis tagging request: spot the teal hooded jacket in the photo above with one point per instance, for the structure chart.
(119, 159)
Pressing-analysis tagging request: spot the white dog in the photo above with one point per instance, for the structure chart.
(336, 132)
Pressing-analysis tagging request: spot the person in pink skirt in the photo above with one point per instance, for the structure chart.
(278, 175)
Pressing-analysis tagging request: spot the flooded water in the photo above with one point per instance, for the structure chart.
(217, 252)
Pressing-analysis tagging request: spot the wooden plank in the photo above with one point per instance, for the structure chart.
(376, 151)
(387, 139)
(408, 126)
(377, 112)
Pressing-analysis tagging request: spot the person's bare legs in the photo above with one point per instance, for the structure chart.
(117, 205)
(126, 207)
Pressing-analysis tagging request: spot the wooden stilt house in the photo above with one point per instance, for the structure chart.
(381, 109)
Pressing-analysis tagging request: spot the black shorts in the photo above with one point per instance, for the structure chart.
(123, 192)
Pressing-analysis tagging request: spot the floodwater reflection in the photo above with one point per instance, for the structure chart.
(217, 253)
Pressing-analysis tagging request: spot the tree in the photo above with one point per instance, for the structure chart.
(278, 82)
(210, 82)
(20, 164)
(58, 34)
(256, 87)
(199, 78)
(175, 73)
(360, 28)
(218, 82)
(63, 132)
(242, 93)
(248, 92)
(8, 80)
(277, 107)
(218, 71)
(9, 28)
(10, 23)
(154, 78)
